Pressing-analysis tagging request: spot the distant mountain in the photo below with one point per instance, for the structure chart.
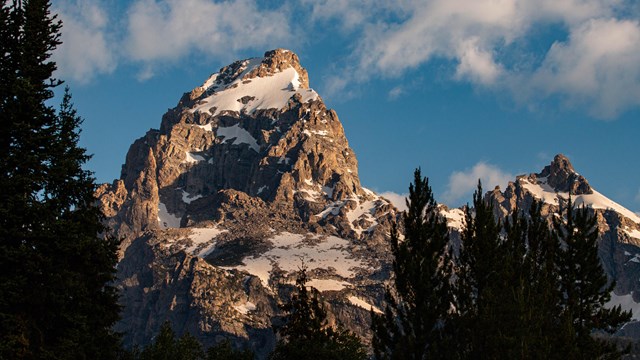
(251, 177)
(619, 228)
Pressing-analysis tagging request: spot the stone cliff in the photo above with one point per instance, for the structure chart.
(248, 178)
(251, 177)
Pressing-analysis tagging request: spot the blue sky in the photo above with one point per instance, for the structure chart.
(462, 88)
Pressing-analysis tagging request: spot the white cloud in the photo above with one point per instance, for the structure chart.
(86, 48)
(595, 69)
(170, 30)
(599, 65)
(463, 183)
(398, 200)
(477, 65)
(162, 32)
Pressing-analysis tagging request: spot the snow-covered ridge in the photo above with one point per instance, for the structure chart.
(249, 95)
(542, 191)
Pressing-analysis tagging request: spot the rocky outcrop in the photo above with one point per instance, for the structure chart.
(251, 177)
(248, 178)
(618, 228)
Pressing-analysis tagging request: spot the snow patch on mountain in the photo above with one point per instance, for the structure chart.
(188, 198)
(289, 251)
(546, 193)
(203, 236)
(633, 233)
(166, 219)
(363, 304)
(238, 135)
(192, 158)
(364, 210)
(455, 218)
(245, 308)
(272, 92)
(626, 302)
(327, 284)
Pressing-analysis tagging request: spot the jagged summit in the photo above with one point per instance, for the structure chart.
(249, 85)
(562, 177)
(254, 127)
(248, 176)
(618, 228)
(553, 186)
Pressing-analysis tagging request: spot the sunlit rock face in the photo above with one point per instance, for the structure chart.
(249, 178)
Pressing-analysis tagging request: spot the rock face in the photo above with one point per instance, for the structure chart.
(619, 228)
(251, 177)
(248, 178)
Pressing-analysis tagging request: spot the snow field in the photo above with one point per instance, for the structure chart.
(272, 92)
(290, 251)
(165, 219)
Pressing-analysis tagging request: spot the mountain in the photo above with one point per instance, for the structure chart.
(618, 228)
(249, 178)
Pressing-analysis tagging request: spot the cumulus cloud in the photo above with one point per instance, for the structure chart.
(86, 49)
(398, 200)
(598, 65)
(160, 32)
(595, 68)
(477, 65)
(463, 183)
(169, 30)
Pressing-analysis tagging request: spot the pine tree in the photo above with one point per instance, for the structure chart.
(585, 287)
(413, 324)
(306, 335)
(167, 347)
(55, 270)
(480, 288)
(225, 351)
(530, 253)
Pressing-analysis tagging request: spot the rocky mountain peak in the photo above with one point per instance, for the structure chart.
(255, 128)
(562, 177)
(262, 83)
(279, 60)
(248, 176)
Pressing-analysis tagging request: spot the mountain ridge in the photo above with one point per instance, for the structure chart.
(248, 178)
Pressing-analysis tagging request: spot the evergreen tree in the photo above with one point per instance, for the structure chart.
(167, 347)
(306, 335)
(225, 351)
(480, 286)
(413, 324)
(526, 292)
(585, 287)
(532, 312)
(55, 270)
